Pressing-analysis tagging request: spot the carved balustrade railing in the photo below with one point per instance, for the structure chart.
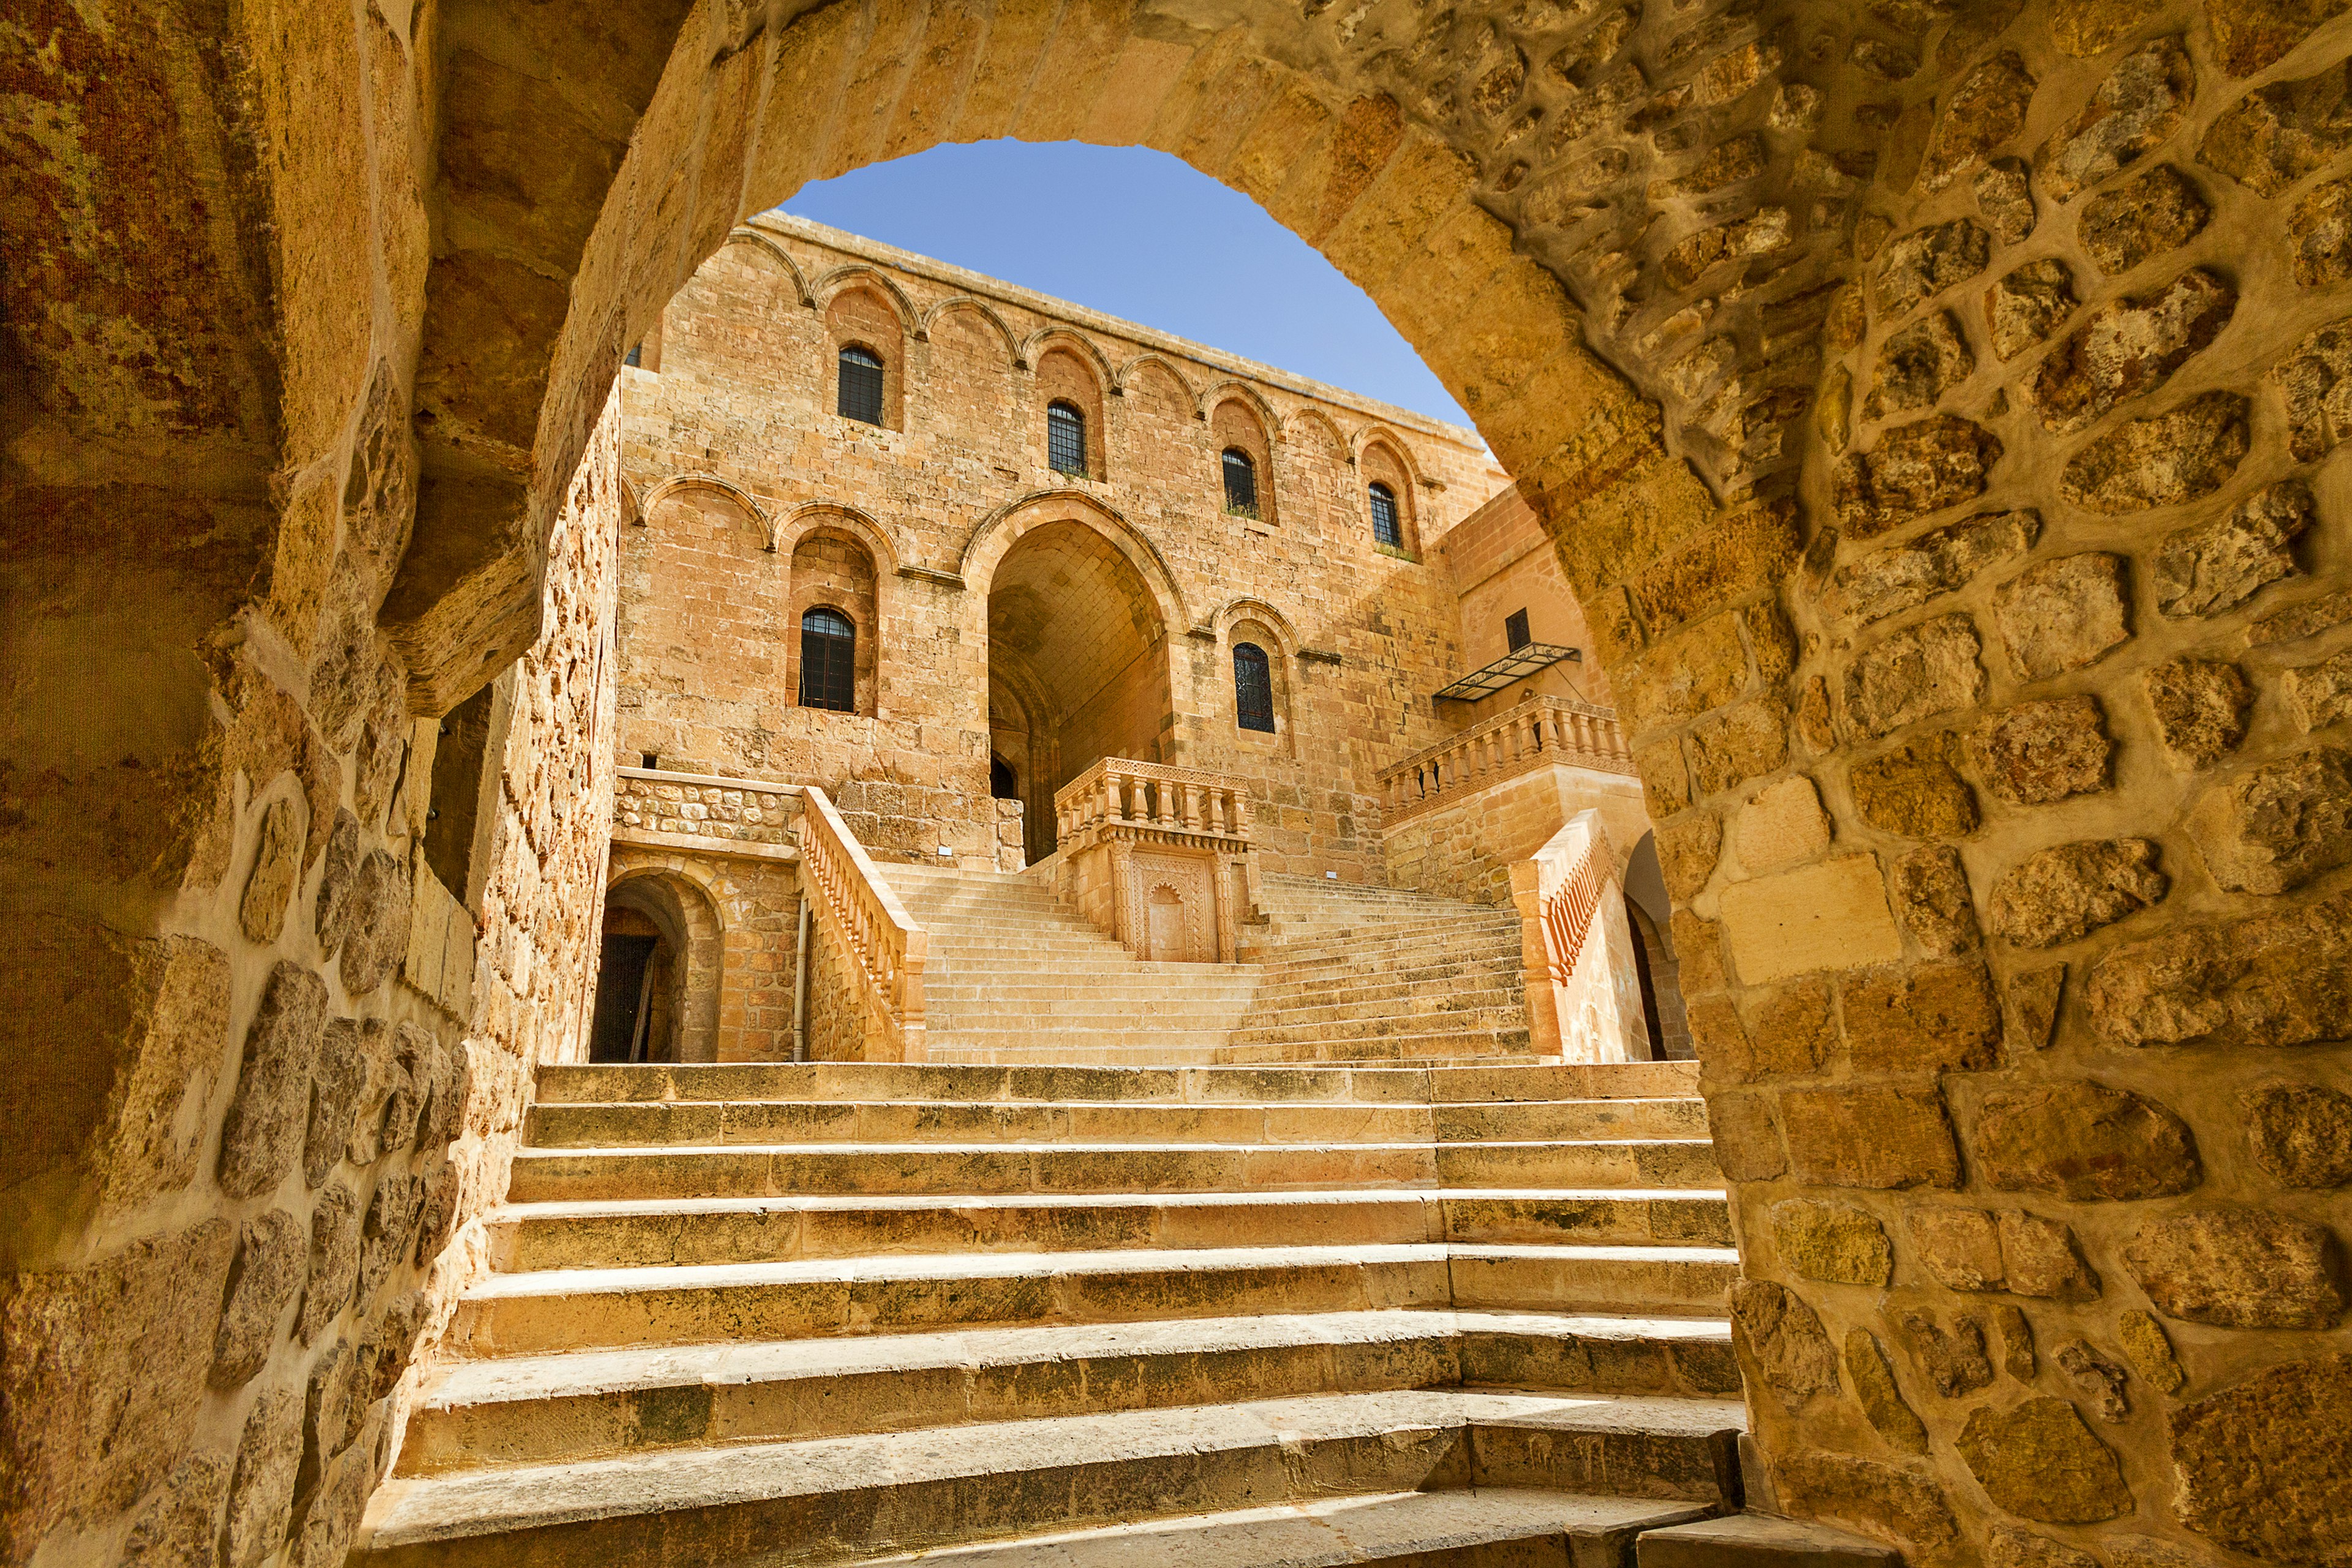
(1116, 792)
(857, 910)
(1576, 950)
(1537, 732)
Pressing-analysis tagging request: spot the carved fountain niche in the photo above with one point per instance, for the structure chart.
(1159, 857)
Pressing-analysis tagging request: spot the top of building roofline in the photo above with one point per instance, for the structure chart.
(980, 284)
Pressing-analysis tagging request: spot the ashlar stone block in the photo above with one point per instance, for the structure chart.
(1830, 915)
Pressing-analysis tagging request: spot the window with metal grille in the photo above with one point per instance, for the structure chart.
(1240, 488)
(1252, 688)
(861, 385)
(1385, 530)
(1065, 438)
(637, 355)
(828, 660)
(1515, 630)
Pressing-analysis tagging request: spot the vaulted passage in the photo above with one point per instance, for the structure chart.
(1077, 666)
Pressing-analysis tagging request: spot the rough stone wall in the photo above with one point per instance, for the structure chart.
(745, 395)
(2010, 859)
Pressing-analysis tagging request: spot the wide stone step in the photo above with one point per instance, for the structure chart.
(777, 1169)
(837, 1500)
(596, 1403)
(639, 1233)
(559, 1310)
(936, 1081)
(648, 1124)
(1476, 1527)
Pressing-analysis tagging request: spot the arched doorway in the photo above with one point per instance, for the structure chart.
(658, 978)
(1078, 663)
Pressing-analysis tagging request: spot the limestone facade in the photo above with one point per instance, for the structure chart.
(1008, 615)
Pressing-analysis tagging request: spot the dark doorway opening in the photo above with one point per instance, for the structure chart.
(622, 1004)
(1000, 782)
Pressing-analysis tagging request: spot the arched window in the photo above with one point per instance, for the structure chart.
(828, 660)
(1065, 438)
(1253, 685)
(1385, 529)
(1241, 495)
(861, 385)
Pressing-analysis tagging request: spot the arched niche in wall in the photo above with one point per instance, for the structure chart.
(1075, 380)
(1383, 463)
(1254, 623)
(662, 969)
(703, 511)
(831, 566)
(1160, 414)
(970, 362)
(862, 316)
(1240, 423)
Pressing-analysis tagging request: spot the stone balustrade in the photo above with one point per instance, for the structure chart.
(1536, 732)
(857, 910)
(1116, 791)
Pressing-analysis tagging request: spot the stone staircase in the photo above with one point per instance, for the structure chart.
(1009, 1316)
(1338, 974)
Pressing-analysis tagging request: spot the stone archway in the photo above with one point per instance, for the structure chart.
(1079, 661)
(2002, 827)
(684, 979)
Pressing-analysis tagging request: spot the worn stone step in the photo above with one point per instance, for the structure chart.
(1215, 1085)
(835, 1499)
(591, 1404)
(556, 1309)
(639, 1233)
(648, 1124)
(1478, 1527)
(753, 1170)
(1760, 1541)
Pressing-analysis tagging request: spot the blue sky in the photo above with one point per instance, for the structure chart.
(1139, 235)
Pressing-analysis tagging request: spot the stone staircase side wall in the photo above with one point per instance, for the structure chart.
(1467, 849)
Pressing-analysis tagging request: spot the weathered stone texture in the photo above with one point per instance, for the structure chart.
(1898, 577)
(2010, 1547)
(2128, 347)
(1954, 1360)
(271, 1261)
(1870, 1136)
(2099, 1379)
(262, 1137)
(2029, 1006)
(2140, 104)
(334, 1260)
(2063, 893)
(2214, 566)
(277, 867)
(2273, 980)
(2321, 231)
(1894, 1503)
(1873, 1378)
(2302, 1133)
(2004, 191)
(1926, 262)
(2239, 1269)
(2036, 752)
(2316, 382)
(2265, 1467)
(1984, 111)
(2026, 305)
(2063, 614)
(2319, 694)
(2199, 707)
(2142, 219)
(1914, 470)
(261, 1496)
(1835, 1242)
(2085, 1142)
(2177, 456)
(1783, 1336)
(1915, 791)
(2150, 1350)
(1916, 674)
(1933, 1018)
(1929, 889)
(2277, 134)
(2274, 827)
(1917, 365)
(2038, 1460)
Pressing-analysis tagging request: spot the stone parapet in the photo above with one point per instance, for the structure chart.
(1542, 731)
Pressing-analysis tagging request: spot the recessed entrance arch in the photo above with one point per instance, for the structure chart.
(1078, 661)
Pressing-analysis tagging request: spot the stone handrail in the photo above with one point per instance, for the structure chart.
(1528, 735)
(859, 909)
(1116, 791)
